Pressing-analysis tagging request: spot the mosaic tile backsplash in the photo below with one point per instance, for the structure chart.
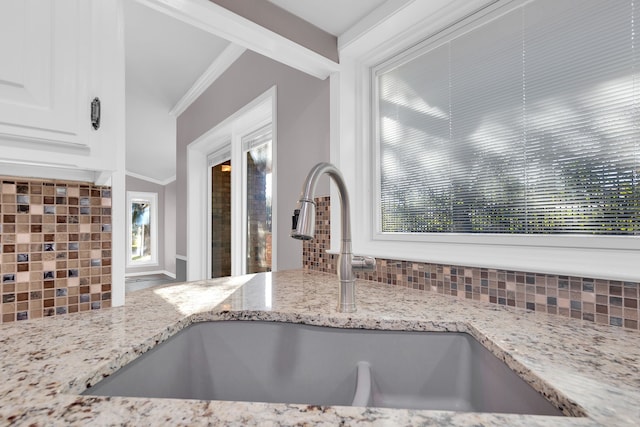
(602, 301)
(55, 247)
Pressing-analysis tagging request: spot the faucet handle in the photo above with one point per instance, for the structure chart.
(294, 219)
(363, 263)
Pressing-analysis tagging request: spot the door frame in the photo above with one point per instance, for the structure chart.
(255, 114)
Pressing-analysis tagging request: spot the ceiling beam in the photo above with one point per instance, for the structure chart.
(285, 23)
(223, 23)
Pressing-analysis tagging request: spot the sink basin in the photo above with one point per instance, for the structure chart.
(294, 363)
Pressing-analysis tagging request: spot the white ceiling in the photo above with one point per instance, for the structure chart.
(165, 57)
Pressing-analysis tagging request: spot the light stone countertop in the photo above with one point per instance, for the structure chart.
(46, 363)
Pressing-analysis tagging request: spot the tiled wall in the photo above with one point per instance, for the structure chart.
(609, 302)
(55, 247)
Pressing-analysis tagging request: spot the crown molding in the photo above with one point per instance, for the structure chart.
(149, 179)
(211, 74)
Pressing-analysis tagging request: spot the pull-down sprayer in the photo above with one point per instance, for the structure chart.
(303, 228)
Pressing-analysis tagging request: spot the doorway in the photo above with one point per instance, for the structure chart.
(220, 218)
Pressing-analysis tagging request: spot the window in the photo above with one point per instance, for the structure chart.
(470, 86)
(142, 229)
(524, 122)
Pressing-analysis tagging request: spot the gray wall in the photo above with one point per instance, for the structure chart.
(302, 136)
(135, 184)
(170, 227)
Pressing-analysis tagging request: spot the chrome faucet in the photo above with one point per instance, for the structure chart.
(303, 228)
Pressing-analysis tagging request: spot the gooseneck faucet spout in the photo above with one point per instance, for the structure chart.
(303, 228)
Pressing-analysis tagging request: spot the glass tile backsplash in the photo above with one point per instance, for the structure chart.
(55, 247)
(608, 302)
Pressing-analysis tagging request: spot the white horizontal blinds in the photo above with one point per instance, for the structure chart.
(415, 149)
(581, 150)
(526, 124)
(219, 156)
(257, 138)
(487, 163)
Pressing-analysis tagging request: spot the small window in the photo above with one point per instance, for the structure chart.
(523, 122)
(142, 229)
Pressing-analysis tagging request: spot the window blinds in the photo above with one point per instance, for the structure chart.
(257, 138)
(527, 124)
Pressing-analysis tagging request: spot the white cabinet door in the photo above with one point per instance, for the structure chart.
(44, 46)
(55, 57)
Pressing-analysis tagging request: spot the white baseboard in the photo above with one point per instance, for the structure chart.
(146, 273)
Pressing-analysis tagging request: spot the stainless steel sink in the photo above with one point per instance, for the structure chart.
(296, 363)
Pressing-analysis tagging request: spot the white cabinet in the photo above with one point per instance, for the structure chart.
(55, 57)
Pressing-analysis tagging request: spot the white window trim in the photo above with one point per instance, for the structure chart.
(152, 198)
(258, 113)
(606, 257)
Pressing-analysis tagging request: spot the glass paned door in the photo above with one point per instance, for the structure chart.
(257, 148)
(221, 219)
